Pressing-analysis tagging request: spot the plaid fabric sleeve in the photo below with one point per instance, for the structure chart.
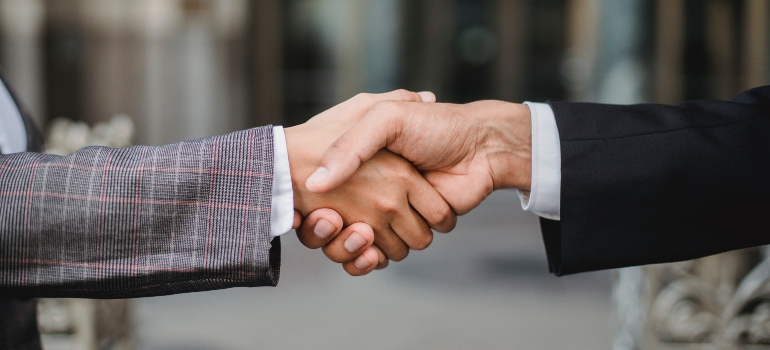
(139, 221)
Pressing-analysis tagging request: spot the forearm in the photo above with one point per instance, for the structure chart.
(650, 183)
(139, 221)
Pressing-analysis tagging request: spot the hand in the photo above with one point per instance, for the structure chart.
(464, 151)
(386, 193)
(322, 229)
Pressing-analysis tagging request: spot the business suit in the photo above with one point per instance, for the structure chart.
(647, 183)
(134, 222)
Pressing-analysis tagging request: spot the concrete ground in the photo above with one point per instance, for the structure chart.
(483, 286)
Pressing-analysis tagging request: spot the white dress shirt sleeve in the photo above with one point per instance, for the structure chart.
(544, 197)
(282, 207)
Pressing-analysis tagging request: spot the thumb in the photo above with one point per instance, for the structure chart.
(375, 131)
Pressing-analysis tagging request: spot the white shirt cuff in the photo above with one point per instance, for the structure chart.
(544, 197)
(282, 207)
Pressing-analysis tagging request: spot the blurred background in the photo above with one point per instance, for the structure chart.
(183, 69)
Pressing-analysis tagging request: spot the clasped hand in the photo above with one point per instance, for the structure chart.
(373, 175)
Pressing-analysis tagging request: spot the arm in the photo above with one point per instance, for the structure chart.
(652, 183)
(639, 184)
(196, 215)
(139, 221)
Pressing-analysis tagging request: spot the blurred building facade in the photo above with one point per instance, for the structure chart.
(192, 68)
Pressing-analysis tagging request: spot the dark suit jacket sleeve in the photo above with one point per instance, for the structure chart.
(648, 183)
(139, 221)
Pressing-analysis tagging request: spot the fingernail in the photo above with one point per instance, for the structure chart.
(323, 229)
(427, 96)
(362, 263)
(354, 243)
(318, 176)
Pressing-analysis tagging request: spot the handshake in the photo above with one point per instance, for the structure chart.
(373, 175)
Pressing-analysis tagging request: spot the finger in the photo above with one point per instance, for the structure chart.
(297, 220)
(382, 259)
(363, 264)
(382, 124)
(319, 228)
(427, 96)
(413, 230)
(391, 244)
(350, 243)
(405, 96)
(431, 205)
(367, 100)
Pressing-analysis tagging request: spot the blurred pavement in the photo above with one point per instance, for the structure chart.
(483, 286)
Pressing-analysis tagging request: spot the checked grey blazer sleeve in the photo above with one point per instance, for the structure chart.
(139, 221)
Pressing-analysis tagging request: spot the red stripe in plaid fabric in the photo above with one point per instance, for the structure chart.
(28, 208)
(131, 200)
(118, 168)
(101, 216)
(211, 198)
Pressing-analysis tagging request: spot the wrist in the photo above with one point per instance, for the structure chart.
(508, 145)
(301, 163)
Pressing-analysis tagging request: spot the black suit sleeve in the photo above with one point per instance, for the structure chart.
(648, 183)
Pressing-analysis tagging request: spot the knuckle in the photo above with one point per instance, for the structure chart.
(388, 205)
(423, 242)
(363, 97)
(443, 215)
(397, 174)
(399, 255)
(404, 95)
